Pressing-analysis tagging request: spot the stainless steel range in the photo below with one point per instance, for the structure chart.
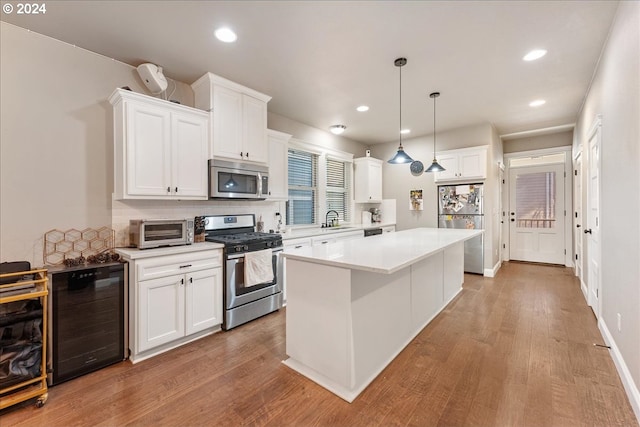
(246, 295)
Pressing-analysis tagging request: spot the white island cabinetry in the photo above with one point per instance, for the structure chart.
(175, 298)
(160, 148)
(336, 335)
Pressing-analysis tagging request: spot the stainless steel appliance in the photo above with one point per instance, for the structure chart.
(376, 215)
(372, 231)
(154, 233)
(235, 180)
(461, 206)
(242, 302)
(87, 319)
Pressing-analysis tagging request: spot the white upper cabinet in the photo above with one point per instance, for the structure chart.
(462, 165)
(367, 180)
(160, 148)
(239, 118)
(278, 144)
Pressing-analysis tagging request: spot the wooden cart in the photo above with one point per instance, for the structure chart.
(35, 288)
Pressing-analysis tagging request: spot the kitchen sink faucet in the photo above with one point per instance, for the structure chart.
(326, 218)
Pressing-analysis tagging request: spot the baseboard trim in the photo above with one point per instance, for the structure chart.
(583, 288)
(627, 380)
(491, 272)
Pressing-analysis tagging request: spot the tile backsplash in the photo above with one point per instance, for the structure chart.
(125, 210)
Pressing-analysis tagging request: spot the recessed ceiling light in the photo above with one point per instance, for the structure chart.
(337, 129)
(226, 35)
(405, 131)
(534, 54)
(363, 108)
(537, 103)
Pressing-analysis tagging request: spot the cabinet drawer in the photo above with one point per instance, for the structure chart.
(296, 243)
(162, 266)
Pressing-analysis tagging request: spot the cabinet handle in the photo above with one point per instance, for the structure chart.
(298, 246)
(325, 242)
(168, 189)
(246, 154)
(176, 189)
(190, 279)
(186, 265)
(241, 154)
(181, 282)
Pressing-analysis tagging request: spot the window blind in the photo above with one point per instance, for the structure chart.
(338, 192)
(536, 200)
(302, 173)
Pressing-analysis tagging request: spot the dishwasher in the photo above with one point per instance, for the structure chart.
(372, 231)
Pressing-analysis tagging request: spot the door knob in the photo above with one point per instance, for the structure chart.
(587, 231)
(513, 220)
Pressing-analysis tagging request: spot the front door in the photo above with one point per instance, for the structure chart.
(592, 232)
(536, 214)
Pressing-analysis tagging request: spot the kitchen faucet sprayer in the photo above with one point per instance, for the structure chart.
(326, 218)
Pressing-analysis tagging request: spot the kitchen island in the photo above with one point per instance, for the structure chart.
(354, 305)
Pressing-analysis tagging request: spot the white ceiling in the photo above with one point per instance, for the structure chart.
(321, 59)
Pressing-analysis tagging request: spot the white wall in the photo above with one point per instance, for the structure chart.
(560, 139)
(398, 181)
(615, 93)
(56, 150)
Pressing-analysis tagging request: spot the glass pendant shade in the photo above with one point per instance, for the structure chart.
(401, 156)
(435, 166)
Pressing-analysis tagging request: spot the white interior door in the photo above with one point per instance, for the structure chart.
(592, 232)
(577, 216)
(536, 213)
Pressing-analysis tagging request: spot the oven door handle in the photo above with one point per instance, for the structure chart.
(238, 256)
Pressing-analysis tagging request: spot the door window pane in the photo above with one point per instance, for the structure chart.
(536, 200)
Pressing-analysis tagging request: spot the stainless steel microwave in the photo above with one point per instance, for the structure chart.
(154, 233)
(234, 180)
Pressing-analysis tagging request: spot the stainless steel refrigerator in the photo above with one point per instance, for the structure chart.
(461, 206)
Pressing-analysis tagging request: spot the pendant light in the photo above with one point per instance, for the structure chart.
(401, 156)
(435, 166)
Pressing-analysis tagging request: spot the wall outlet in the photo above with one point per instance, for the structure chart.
(619, 322)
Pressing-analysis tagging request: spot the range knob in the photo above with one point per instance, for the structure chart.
(246, 247)
(237, 248)
(269, 244)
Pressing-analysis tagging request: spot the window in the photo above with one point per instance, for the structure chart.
(536, 200)
(319, 181)
(337, 190)
(302, 205)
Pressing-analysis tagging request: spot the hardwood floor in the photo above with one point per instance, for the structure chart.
(515, 350)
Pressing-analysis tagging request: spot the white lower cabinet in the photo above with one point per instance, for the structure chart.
(389, 229)
(174, 299)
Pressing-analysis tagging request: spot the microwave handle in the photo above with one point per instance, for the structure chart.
(259, 184)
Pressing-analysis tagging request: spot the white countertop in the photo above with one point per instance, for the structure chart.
(134, 253)
(385, 253)
(297, 233)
